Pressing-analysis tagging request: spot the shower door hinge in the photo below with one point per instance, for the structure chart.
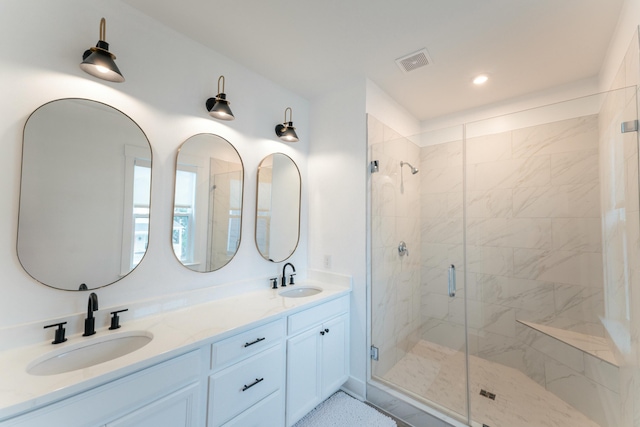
(374, 166)
(631, 126)
(374, 352)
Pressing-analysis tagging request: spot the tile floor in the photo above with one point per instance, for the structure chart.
(436, 373)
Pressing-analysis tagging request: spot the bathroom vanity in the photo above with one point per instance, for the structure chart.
(245, 355)
(255, 359)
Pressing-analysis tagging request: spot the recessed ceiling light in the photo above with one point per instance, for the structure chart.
(481, 79)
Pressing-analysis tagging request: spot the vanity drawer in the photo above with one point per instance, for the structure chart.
(314, 316)
(240, 386)
(246, 344)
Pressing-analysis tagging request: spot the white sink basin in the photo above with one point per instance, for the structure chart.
(84, 354)
(300, 292)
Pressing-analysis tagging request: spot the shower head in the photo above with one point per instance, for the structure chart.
(413, 170)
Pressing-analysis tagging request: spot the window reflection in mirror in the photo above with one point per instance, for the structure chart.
(140, 208)
(84, 195)
(207, 210)
(278, 207)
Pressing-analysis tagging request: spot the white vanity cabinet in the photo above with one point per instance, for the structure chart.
(168, 394)
(317, 356)
(265, 373)
(246, 387)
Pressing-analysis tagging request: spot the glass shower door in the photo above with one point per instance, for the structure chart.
(417, 257)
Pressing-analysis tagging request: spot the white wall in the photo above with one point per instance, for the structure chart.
(169, 77)
(337, 203)
(386, 109)
(619, 44)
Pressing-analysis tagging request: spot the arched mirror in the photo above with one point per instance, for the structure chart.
(207, 206)
(278, 207)
(84, 195)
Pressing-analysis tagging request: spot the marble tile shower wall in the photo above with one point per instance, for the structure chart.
(395, 216)
(539, 251)
(533, 230)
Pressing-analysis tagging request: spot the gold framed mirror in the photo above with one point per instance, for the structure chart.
(207, 204)
(84, 194)
(278, 207)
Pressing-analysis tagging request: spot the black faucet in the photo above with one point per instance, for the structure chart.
(284, 278)
(90, 321)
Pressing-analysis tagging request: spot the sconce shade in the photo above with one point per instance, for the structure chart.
(218, 107)
(286, 131)
(99, 62)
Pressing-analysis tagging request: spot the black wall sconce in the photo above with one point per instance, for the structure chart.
(99, 62)
(218, 107)
(286, 131)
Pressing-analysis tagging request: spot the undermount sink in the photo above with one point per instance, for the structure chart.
(89, 353)
(300, 292)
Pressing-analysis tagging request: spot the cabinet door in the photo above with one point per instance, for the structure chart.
(303, 374)
(267, 413)
(179, 409)
(335, 357)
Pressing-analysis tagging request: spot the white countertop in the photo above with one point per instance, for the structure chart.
(174, 333)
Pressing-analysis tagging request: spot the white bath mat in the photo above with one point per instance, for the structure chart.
(342, 410)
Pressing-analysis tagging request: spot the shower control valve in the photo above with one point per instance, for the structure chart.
(402, 249)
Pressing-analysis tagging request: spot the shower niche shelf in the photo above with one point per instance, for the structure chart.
(595, 346)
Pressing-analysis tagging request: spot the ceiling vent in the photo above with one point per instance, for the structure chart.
(414, 60)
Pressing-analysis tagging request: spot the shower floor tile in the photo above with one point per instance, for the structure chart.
(436, 373)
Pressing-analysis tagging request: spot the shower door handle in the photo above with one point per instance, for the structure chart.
(452, 281)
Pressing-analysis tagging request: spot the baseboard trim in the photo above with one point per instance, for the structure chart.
(356, 388)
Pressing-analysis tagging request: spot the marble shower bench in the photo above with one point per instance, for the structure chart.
(576, 361)
(593, 345)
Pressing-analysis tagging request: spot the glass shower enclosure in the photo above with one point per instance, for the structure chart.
(503, 257)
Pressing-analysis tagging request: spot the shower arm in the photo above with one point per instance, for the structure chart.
(413, 169)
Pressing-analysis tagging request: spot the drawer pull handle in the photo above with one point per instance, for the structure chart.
(247, 387)
(254, 342)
